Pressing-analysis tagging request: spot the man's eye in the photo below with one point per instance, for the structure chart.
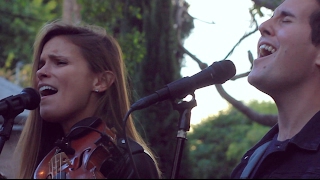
(286, 20)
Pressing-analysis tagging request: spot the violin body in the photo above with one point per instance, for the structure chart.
(90, 151)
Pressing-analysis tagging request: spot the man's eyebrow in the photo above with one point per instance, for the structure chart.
(285, 13)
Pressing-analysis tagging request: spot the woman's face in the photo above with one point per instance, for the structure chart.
(66, 83)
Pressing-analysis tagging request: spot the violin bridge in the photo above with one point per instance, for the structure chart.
(59, 162)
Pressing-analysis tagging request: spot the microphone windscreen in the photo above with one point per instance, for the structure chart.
(32, 98)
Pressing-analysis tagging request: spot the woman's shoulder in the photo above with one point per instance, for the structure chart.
(134, 146)
(140, 166)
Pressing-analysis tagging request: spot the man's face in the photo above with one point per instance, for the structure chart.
(286, 56)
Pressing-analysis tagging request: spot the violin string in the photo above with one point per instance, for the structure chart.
(55, 163)
(60, 165)
(50, 166)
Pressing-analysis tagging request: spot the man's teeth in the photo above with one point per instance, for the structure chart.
(268, 48)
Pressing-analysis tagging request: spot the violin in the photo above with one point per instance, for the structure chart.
(82, 154)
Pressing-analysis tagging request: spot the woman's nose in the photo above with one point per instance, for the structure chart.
(42, 72)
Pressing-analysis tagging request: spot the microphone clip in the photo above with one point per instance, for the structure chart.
(184, 109)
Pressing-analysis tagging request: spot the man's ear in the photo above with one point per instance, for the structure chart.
(103, 81)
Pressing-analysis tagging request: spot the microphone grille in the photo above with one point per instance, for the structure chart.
(33, 98)
(223, 70)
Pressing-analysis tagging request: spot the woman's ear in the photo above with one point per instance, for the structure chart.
(103, 81)
(318, 60)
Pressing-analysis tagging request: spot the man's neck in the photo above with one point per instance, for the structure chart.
(294, 112)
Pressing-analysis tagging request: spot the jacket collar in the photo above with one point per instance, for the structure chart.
(307, 138)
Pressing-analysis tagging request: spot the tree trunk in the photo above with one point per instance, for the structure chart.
(71, 12)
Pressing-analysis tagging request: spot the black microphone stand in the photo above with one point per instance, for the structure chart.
(184, 109)
(9, 116)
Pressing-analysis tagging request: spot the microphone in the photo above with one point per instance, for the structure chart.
(13, 105)
(217, 73)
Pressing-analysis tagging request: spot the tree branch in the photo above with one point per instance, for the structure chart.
(270, 4)
(264, 119)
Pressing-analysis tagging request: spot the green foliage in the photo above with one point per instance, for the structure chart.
(19, 23)
(133, 56)
(159, 67)
(122, 19)
(217, 144)
(263, 107)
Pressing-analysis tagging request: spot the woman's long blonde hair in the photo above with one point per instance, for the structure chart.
(102, 53)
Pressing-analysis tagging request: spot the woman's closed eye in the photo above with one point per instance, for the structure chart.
(61, 62)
